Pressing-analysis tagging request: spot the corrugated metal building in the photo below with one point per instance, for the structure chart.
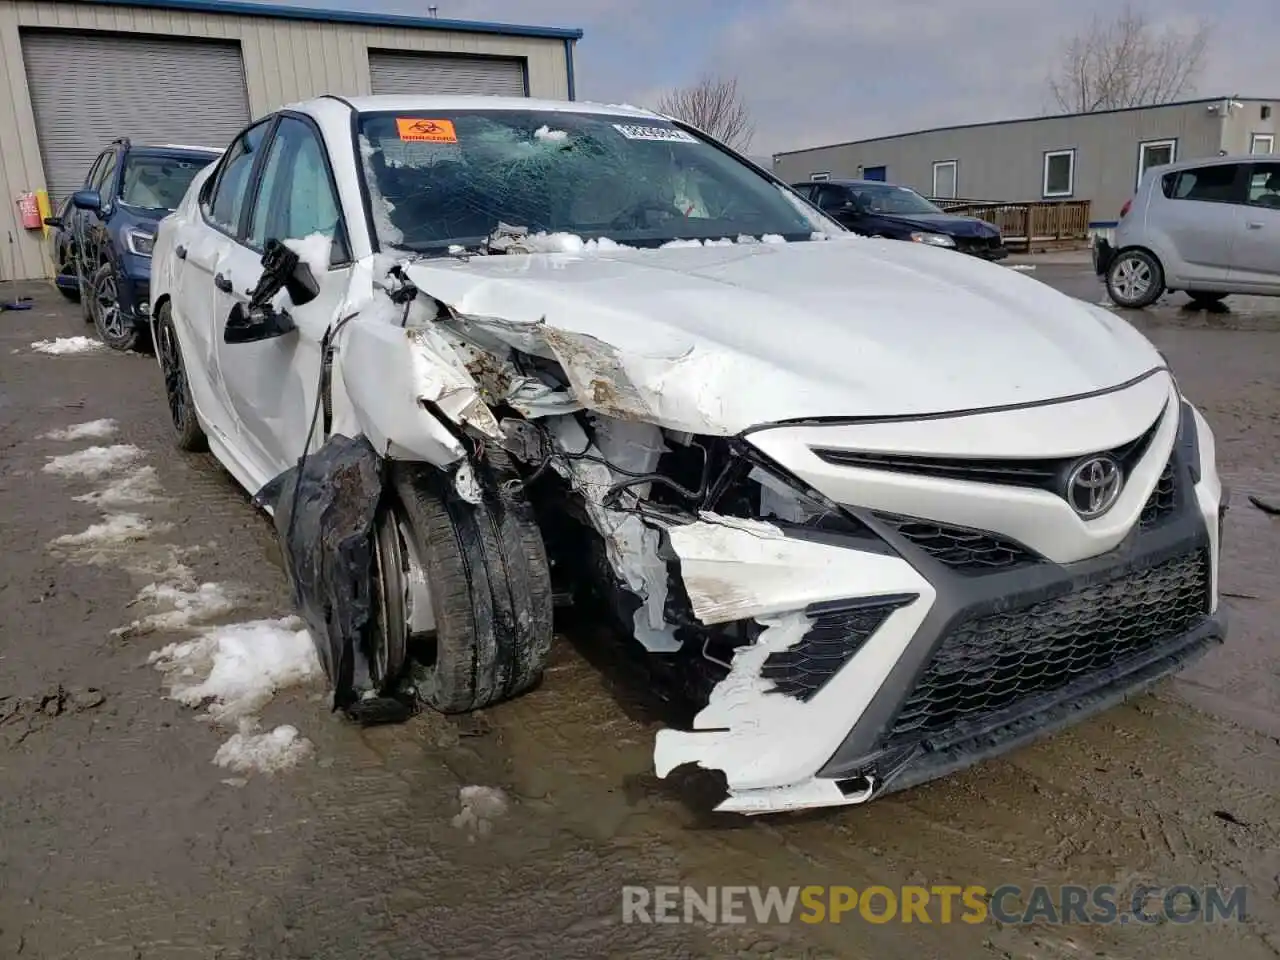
(1085, 156)
(76, 75)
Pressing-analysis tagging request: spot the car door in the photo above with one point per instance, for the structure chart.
(75, 219)
(93, 223)
(1197, 220)
(1255, 260)
(273, 383)
(203, 243)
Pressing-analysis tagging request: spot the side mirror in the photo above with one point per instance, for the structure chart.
(53, 222)
(282, 269)
(89, 200)
(253, 324)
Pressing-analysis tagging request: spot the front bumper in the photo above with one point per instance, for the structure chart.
(984, 248)
(959, 645)
(133, 287)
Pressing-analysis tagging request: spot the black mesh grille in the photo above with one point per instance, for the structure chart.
(838, 632)
(993, 663)
(970, 551)
(1161, 502)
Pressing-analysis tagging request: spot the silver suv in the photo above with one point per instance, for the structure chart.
(1206, 227)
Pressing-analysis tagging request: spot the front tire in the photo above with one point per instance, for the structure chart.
(1135, 279)
(177, 389)
(115, 329)
(488, 581)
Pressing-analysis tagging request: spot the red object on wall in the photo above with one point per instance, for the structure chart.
(30, 210)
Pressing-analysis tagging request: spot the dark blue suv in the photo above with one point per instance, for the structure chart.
(106, 232)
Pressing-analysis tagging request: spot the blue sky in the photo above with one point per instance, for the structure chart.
(820, 71)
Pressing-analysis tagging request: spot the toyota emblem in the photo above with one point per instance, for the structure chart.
(1093, 486)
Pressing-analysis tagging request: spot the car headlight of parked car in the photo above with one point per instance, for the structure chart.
(933, 239)
(140, 242)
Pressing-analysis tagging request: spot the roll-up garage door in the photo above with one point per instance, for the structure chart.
(430, 73)
(89, 89)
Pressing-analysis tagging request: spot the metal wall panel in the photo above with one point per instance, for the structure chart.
(88, 89)
(425, 73)
(284, 60)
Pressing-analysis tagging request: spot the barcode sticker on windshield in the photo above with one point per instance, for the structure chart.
(633, 131)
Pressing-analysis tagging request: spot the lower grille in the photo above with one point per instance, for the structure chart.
(1162, 500)
(960, 548)
(990, 665)
(838, 632)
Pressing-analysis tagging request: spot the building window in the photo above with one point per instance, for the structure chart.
(1262, 143)
(1155, 153)
(944, 179)
(819, 177)
(1059, 173)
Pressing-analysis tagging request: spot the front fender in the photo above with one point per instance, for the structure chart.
(401, 382)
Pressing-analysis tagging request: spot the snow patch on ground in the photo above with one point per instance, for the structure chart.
(115, 529)
(234, 670)
(188, 604)
(250, 751)
(139, 486)
(93, 462)
(93, 430)
(1022, 267)
(66, 345)
(480, 807)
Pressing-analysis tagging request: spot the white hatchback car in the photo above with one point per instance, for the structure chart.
(1207, 227)
(881, 510)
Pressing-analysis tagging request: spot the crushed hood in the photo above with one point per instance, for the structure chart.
(721, 338)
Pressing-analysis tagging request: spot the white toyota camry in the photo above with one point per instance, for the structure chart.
(881, 511)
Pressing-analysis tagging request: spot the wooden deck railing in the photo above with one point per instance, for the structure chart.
(1028, 225)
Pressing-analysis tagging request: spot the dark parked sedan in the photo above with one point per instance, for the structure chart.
(876, 209)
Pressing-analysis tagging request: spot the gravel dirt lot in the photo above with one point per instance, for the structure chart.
(120, 837)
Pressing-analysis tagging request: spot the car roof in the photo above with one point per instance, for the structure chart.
(174, 148)
(421, 104)
(1214, 161)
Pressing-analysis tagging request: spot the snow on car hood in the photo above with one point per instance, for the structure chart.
(721, 338)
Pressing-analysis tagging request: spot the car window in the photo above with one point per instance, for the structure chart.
(103, 182)
(1214, 184)
(295, 197)
(805, 190)
(227, 198)
(91, 180)
(157, 182)
(1264, 185)
(458, 177)
(832, 198)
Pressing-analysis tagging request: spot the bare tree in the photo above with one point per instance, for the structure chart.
(1128, 62)
(713, 105)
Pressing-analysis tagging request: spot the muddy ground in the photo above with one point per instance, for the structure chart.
(120, 838)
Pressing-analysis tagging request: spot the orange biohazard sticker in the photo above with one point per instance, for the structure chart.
(432, 131)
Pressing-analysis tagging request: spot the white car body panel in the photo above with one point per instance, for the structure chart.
(839, 343)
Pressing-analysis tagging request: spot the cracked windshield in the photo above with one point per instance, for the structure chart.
(472, 179)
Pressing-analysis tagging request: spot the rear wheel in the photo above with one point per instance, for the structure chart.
(1135, 279)
(463, 588)
(177, 390)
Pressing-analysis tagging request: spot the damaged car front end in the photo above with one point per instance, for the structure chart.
(881, 511)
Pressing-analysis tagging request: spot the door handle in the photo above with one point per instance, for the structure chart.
(1254, 225)
(180, 252)
(222, 283)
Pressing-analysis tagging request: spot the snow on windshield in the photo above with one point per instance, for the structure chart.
(447, 181)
